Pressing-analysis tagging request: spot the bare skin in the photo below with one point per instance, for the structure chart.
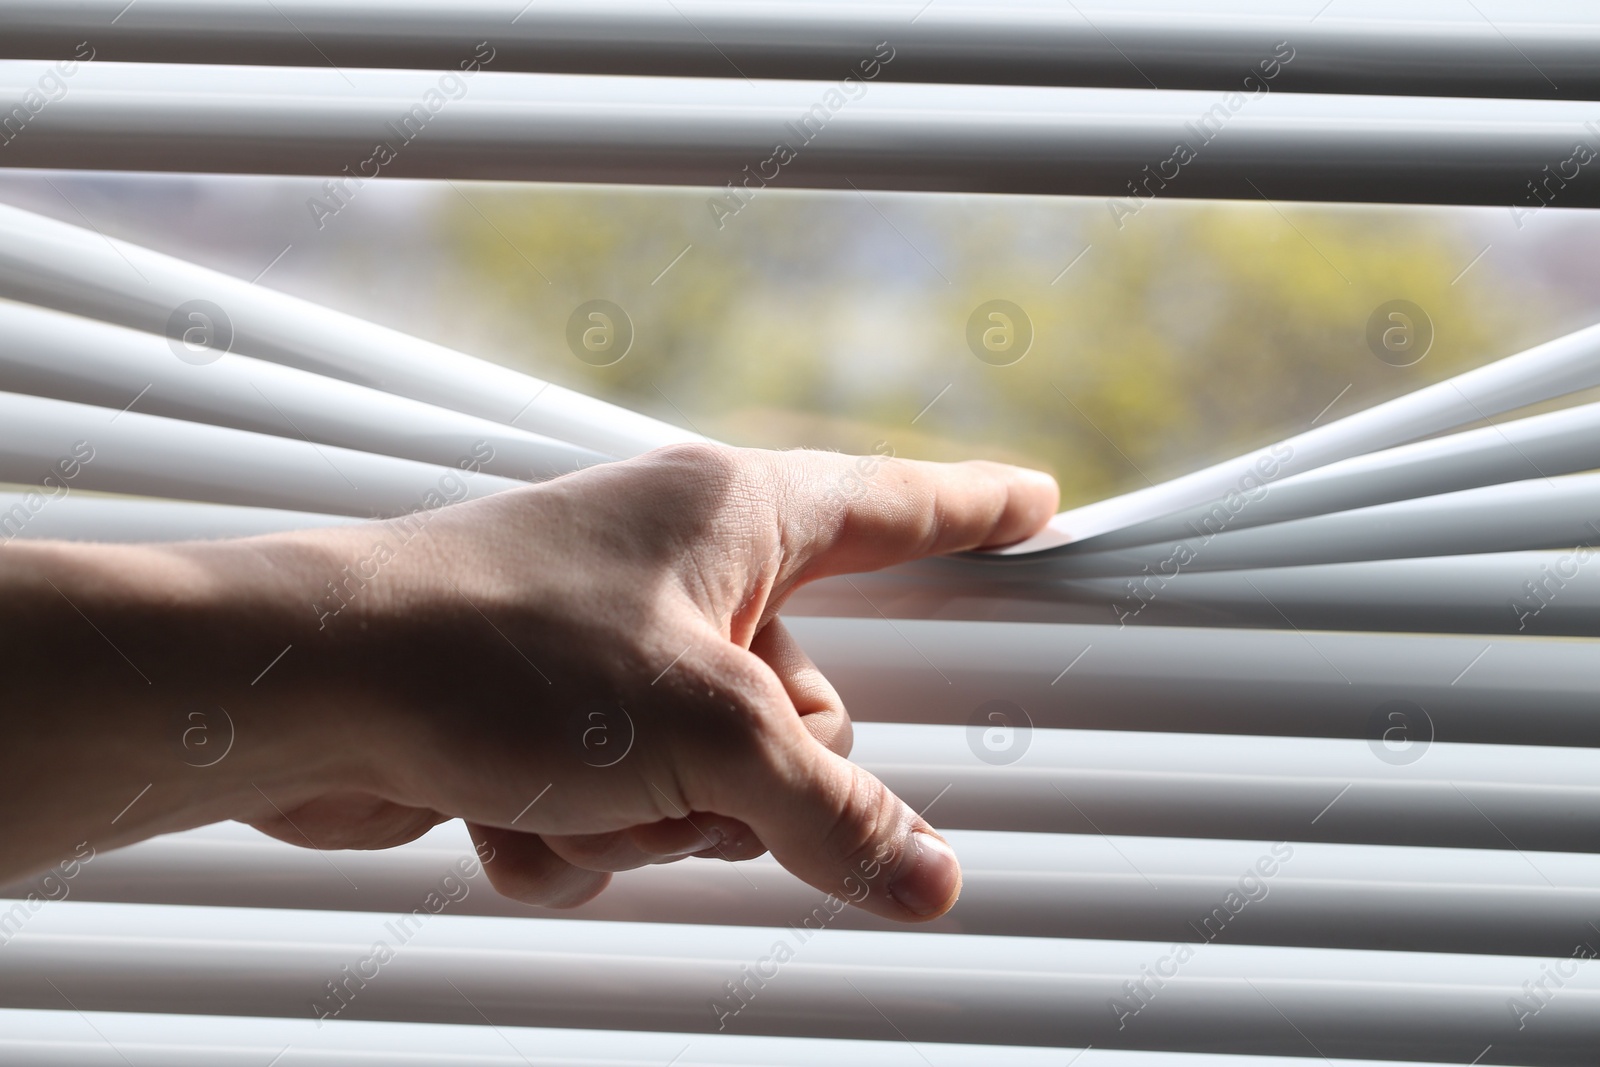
(590, 672)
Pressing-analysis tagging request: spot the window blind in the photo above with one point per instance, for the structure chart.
(1330, 795)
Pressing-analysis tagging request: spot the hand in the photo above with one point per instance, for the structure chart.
(592, 673)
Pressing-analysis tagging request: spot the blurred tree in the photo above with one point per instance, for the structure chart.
(1192, 331)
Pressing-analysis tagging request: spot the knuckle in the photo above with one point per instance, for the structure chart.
(702, 491)
(737, 726)
(716, 463)
(735, 732)
(547, 886)
(591, 852)
(865, 831)
(518, 882)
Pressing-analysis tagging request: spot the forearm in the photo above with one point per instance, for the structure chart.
(135, 700)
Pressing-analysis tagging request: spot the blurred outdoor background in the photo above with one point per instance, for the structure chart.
(839, 320)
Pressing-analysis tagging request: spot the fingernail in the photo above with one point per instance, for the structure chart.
(709, 838)
(928, 878)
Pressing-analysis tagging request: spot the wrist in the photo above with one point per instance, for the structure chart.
(148, 693)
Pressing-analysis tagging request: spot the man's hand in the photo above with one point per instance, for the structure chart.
(591, 671)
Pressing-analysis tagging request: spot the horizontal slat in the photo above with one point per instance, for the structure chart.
(1559, 442)
(919, 986)
(1561, 512)
(993, 139)
(112, 1039)
(1525, 50)
(1511, 690)
(1018, 884)
(1534, 593)
(127, 452)
(1402, 791)
(82, 272)
(1512, 593)
(89, 518)
(88, 362)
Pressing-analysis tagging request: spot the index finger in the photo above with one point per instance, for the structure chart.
(843, 514)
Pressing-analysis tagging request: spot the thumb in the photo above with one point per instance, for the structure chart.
(841, 830)
(835, 826)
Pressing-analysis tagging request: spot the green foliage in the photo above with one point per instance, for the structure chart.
(1192, 331)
